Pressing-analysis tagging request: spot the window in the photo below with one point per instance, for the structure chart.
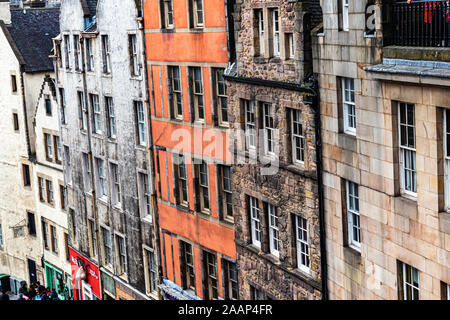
(87, 172)
(54, 239)
(101, 177)
(72, 224)
(276, 32)
(106, 55)
(203, 186)
(269, 129)
(66, 245)
(145, 196)
(447, 157)
(226, 192)
(111, 117)
(257, 294)
(231, 280)
(151, 271)
(77, 52)
(345, 15)
(407, 135)
(445, 290)
(49, 186)
(197, 93)
(57, 143)
(67, 166)
(63, 197)
(289, 45)
(41, 189)
(250, 124)
(211, 284)
(16, 121)
(167, 14)
(26, 175)
(260, 40)
(45, 235)
(188, 274)
(68, 51)
(13, 83)
(134, 64)
(116, 194)
(348, 104)
(92, 239)
(409, 281)
(176, 96)
(197, 12)
(1, 235)
(63, 105)
(31, 224)
(83, 111)
(274, 233)
(90, 57)
(221, 96)
(181, 175)
(140, 118)
(48, 106)
(107, 248)
(48, 146)
(301, 236)
(121, 254)
(97, 125)
(255, 222)
(353, 218)
(298, 137)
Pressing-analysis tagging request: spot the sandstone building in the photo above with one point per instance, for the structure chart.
(385, 99)
(25, 47)
(105, 130)
(275, 180)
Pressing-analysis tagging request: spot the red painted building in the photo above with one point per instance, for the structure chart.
(187, 53)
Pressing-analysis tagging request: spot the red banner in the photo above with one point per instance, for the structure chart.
(85, 277)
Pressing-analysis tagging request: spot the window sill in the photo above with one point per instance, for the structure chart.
(147, 219)
(136, 77)
(353, 249)
(167, 30)
(112, 140)
(103, 199)
(408, 196)
(107, 75)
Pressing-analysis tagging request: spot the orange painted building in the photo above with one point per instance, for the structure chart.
(187, 53)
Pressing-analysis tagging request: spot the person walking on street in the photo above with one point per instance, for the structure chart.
(4, 296)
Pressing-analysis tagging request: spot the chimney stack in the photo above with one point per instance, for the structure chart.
(5, 13)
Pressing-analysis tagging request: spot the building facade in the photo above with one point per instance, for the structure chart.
(105, 130)
(25, 48)
(187, 53)
(275, 179)
(384, 106)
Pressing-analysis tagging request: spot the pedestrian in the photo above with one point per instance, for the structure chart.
(24, 288)
(21, 296)
(4, 296)
(32, 291)
(44, 296)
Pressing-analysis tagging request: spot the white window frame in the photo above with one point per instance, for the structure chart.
(106, 54)
(269, 128)
(168, 14)
(98, 127)
(197, 12)
(101, 173)
(290, 45)
(77, 52)
(255, 217)
(67, 166)
(222, 97)
(353, 216)
(302, 240)
(87, 172)
(145, 197)
(68, 51)
(121, 254)
(177, 93)
(447, 159)
(349, 105)
(92, 237)
(150, 271)
(48, 145)
(182, 182)
(410, 286)
(90, 55)
(250, 125)
(111, 117)
(82, 108)
(116, 190)
(140, 117)
(106, 232)
(198, 94)
(50, 194)
(260, 16)
(203, 186)
(87, 291)
(298, 136)
(58, 153)
(276, 32)
(345, 16)
(407, 153)
(274, 231)
(134, 55)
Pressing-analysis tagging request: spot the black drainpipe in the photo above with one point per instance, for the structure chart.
(315, 107)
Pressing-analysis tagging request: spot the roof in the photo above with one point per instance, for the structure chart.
(32, 31)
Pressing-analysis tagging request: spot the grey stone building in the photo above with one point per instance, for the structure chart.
(105, 130)
(275, 178)
(385, 98)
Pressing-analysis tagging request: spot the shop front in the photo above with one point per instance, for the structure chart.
(85, 277)
(58, 280)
